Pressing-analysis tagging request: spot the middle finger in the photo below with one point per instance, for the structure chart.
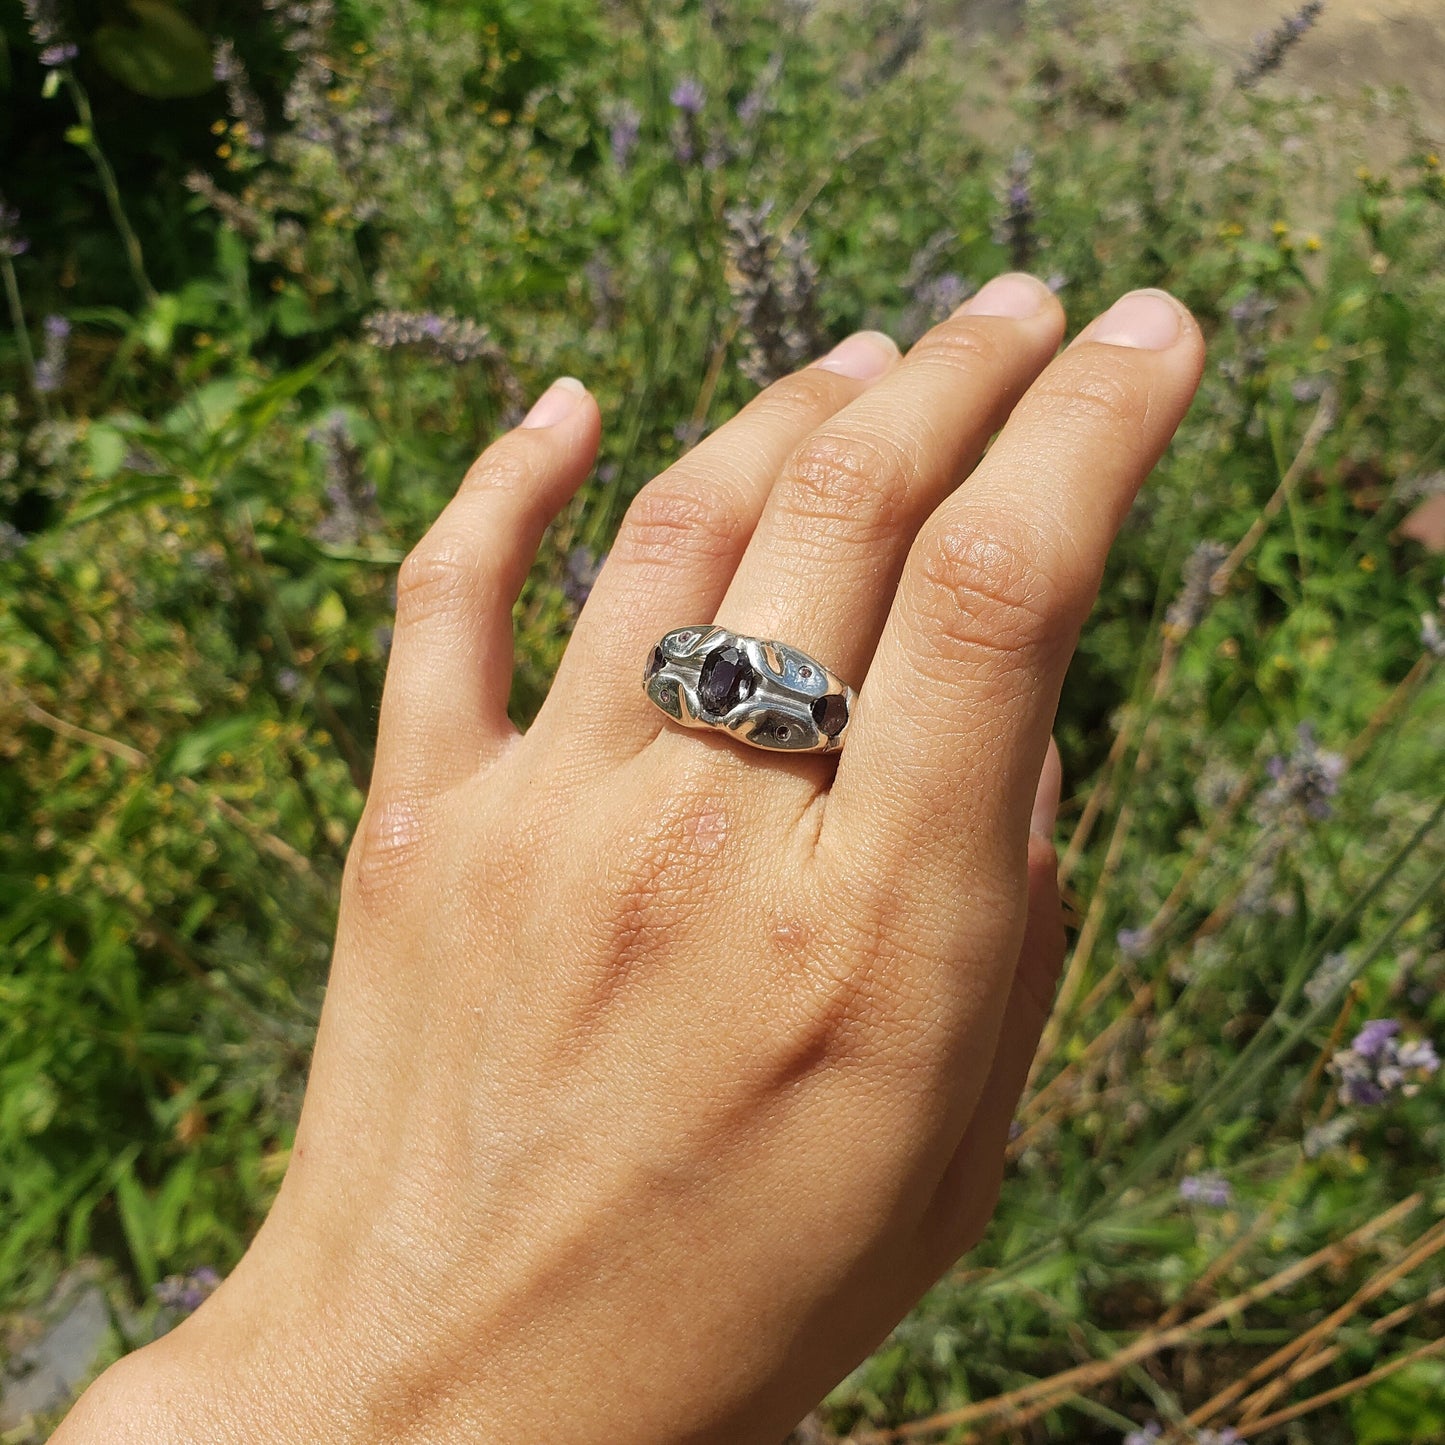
(821, 569)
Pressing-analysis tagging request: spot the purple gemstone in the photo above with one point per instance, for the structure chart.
(830, 713)
(726, 679)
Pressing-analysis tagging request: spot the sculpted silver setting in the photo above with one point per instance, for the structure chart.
(765, 694)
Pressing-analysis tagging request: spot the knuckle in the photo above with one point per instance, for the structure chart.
(837, 998)
(960, 342)
(659, 872)
(985, 591)
(385, 854)
(846, 477)
(801, 397)
(502, 468)
(668, 516)
(439, 577)
(1088, 395)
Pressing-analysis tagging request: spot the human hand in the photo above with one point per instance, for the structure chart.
(658, 1077)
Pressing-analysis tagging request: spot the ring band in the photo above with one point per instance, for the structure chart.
(765, 694)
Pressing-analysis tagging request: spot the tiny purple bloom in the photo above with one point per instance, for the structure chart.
(1373, 1038)
(688, 95)
(1212, 1190)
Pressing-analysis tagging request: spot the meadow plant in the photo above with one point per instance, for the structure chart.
(1223, 1207)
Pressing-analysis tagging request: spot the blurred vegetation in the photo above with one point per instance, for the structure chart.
(259, 325)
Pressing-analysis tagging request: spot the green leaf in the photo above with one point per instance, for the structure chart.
(136, 1222)
(160, 54)
(107, 450)
(1407, 1406)
(132, 490)
(198, 749)
(330, 614)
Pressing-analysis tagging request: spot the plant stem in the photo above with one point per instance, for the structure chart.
(22, 336)
(108, 183)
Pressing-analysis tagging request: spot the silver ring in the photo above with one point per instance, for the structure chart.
(765, 694)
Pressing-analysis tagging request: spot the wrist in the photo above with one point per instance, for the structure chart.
(232, 1374)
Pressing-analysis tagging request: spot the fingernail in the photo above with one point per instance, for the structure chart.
(559, 400)
(1146, 319)
(862, 356)
(1046, 812)
(1015, 294)
(1046, 794)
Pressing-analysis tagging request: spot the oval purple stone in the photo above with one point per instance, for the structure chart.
(726, 679)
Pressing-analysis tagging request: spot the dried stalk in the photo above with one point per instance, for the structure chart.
(1030, 1401)
(1340, 1392)
(133, 757)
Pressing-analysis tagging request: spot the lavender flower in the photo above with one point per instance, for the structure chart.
(350, 496)
(1305, 781)
(688, 95)
(187, 1292)
(441, 333)
(1372, 1040)
(1154, 1430)
(1378, 1065)
(759, 99)
(1432, 637)
(241, 99)
(306, 24)
(47, 29)
(1327, 979)
(1325, 1138)
(936, 299)
(50, 369)
(623, 133)
(1147, 1436)
(773, 281)
(933, 293)
(12, 243)
(1134, 942)
(1194, 599)
(1211, 1190)
(1271, 47)
(1252, 311)
(1015, 227)
(580, 574)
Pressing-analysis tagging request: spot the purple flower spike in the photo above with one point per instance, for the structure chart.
(625, 129)
(1374, 1037)
(688, 95)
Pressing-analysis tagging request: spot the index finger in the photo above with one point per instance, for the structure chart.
(954, 717)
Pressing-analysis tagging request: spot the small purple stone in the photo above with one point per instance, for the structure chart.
(830, 713)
